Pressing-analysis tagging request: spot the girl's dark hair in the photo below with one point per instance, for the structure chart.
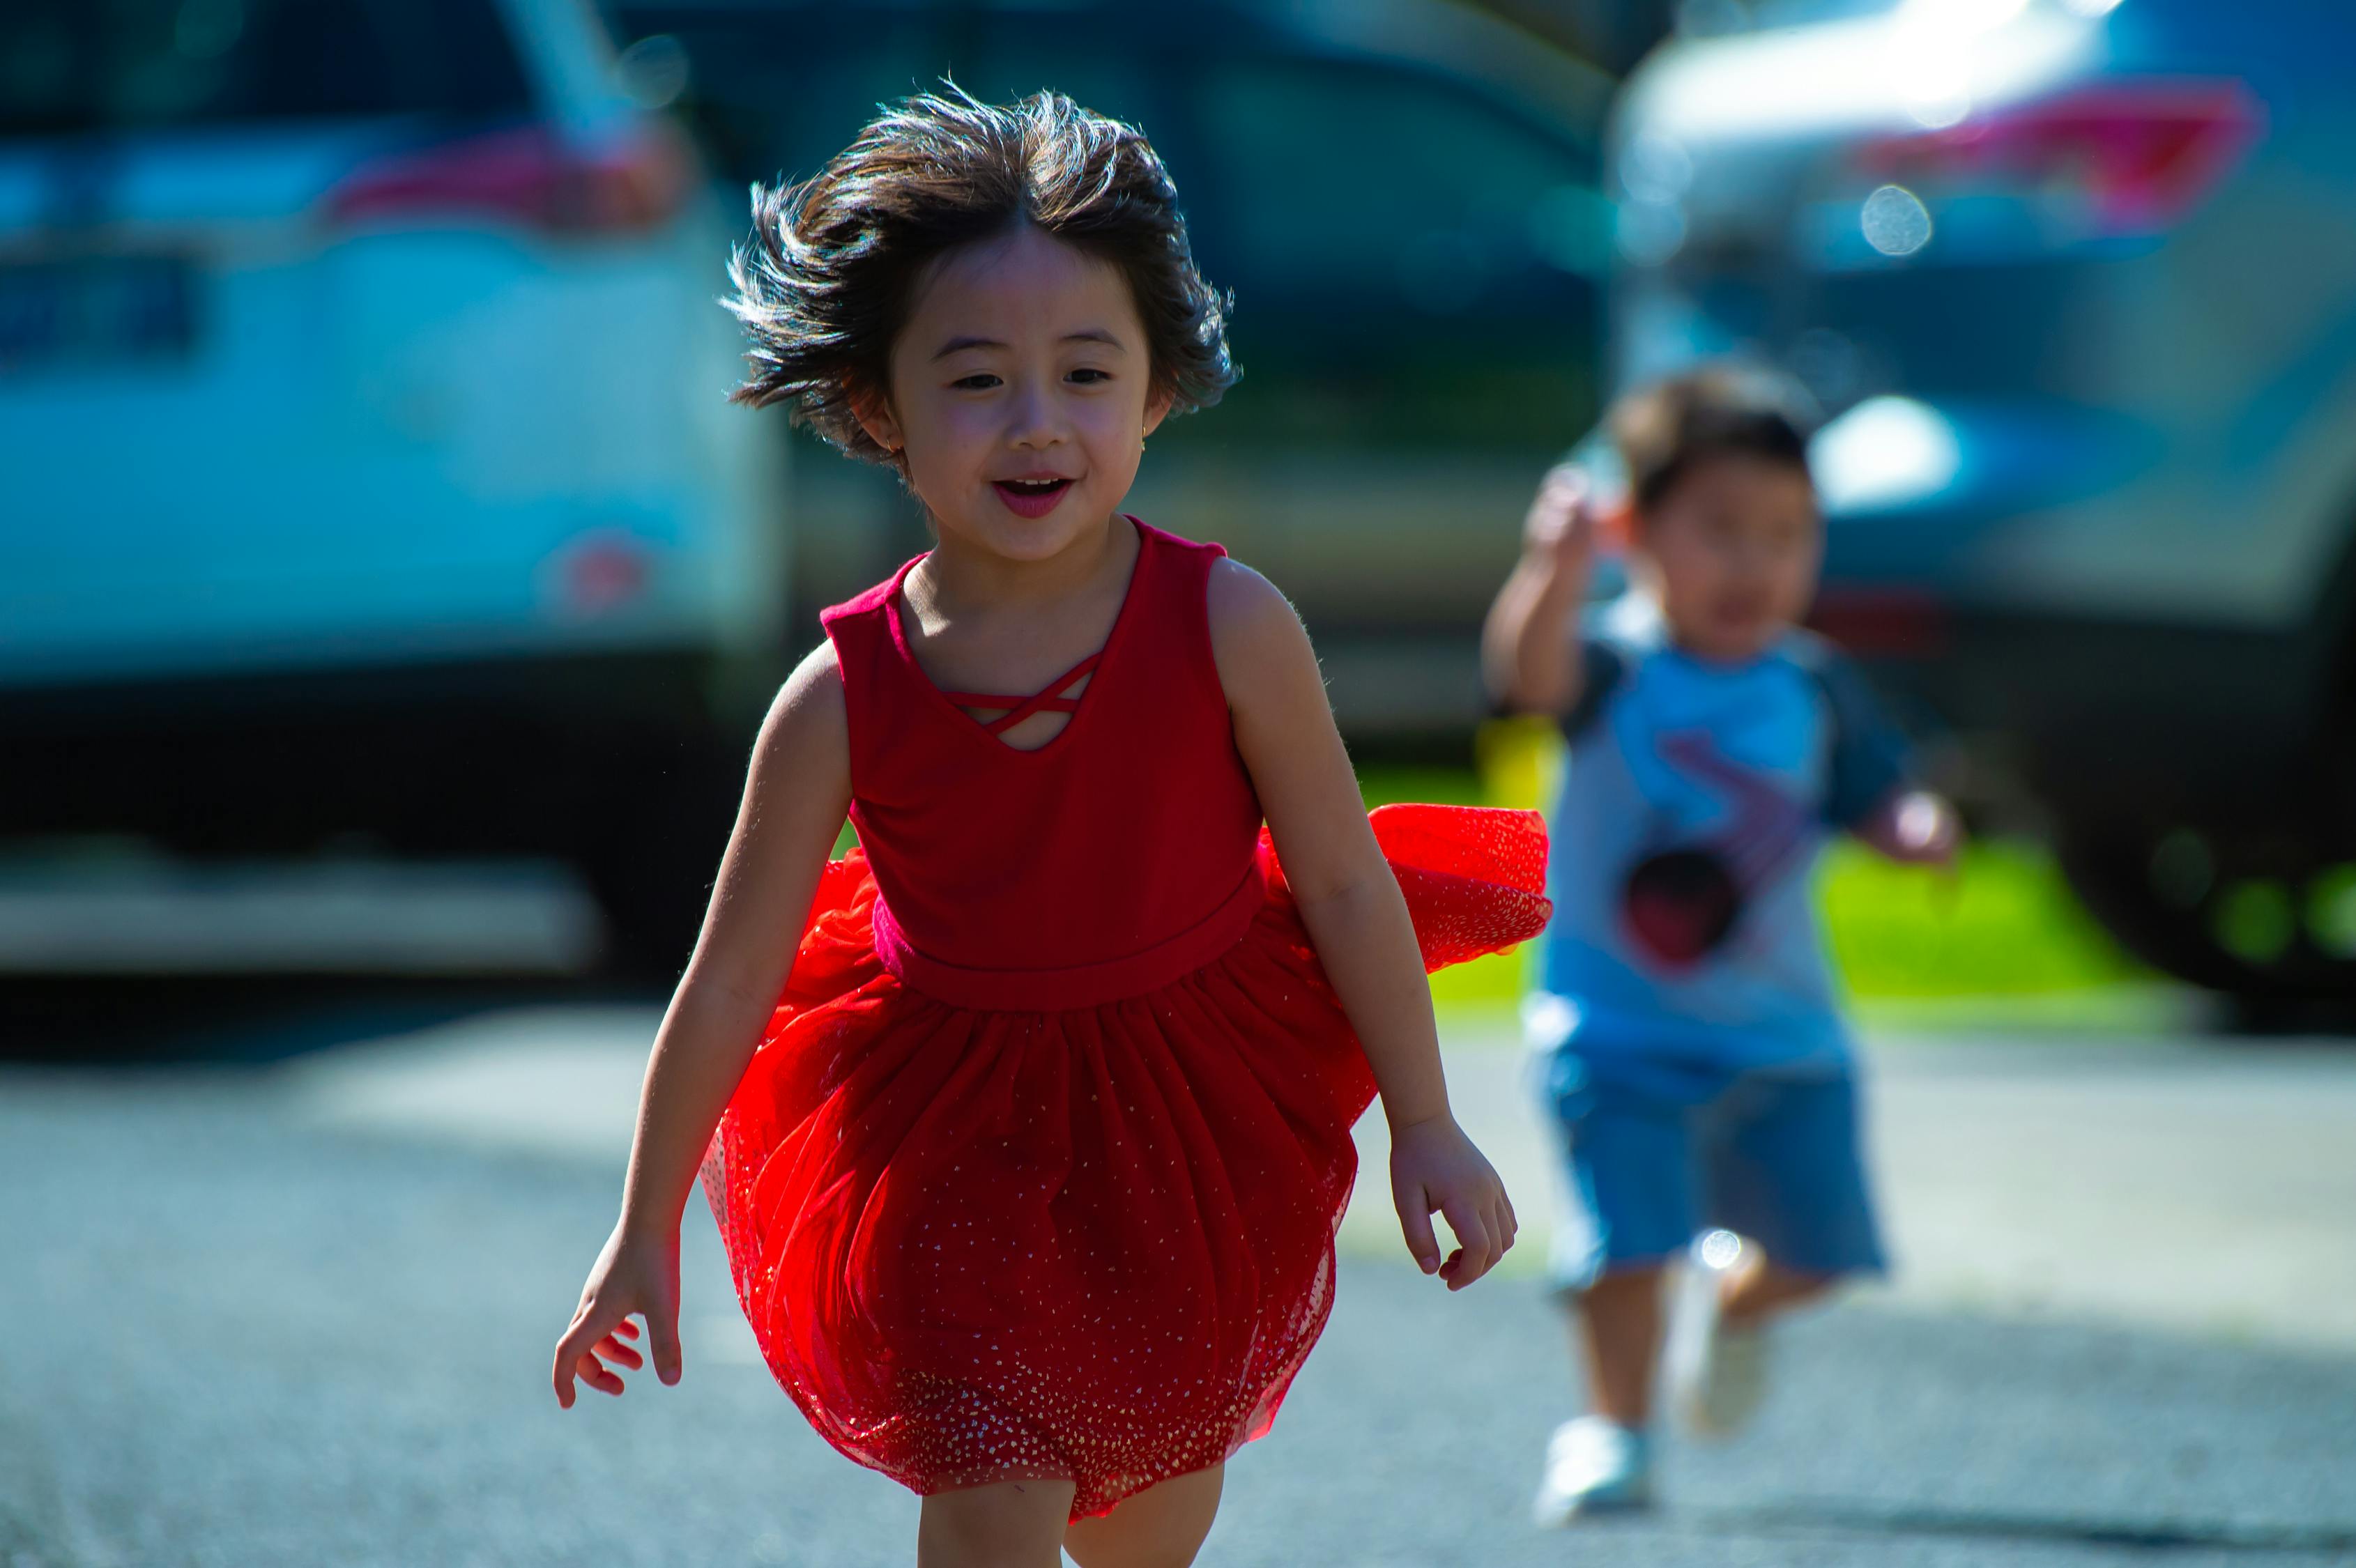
(1668, 428)
(826, 282)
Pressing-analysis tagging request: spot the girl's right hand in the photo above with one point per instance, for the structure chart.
(637, 1274)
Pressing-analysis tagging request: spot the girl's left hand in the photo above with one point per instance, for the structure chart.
(1434, 1167)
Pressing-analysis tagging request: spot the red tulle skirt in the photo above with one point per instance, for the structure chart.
(1094, 1243)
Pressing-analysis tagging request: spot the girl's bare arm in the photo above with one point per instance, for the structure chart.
(1353, 908)
(795, 798)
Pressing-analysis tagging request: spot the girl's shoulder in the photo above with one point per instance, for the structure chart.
(811, 696)
(1240, 599)
(1256, 634)
(805, 740)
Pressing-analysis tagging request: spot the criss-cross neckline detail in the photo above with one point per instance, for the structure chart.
(1049, 698)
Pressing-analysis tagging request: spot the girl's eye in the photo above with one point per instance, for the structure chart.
(1089, 378)
(980, 382)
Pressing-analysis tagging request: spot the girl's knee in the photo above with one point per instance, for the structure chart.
(1162, 1526)
(1008, 1524)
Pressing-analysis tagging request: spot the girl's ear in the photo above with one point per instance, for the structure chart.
(874, 412)
(1157, 408)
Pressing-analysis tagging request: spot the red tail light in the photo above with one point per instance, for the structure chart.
(529, 175)
(1881, 622)
(2137, 157)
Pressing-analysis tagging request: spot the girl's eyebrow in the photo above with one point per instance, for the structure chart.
(1088, 335)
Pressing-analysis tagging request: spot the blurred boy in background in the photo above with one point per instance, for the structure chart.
(1687, 1040)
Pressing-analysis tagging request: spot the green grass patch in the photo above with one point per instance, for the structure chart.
(1434, 785)
(2002, 924)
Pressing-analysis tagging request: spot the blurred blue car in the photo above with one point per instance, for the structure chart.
(2076, 280)
(368, 470)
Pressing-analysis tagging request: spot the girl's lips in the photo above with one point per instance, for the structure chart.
(1031, 498)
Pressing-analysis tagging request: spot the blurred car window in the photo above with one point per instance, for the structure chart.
(77, 66)
(1405, 188)
(1394, 243)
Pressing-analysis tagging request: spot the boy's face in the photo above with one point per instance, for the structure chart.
(1021, 394)
(1732, 552)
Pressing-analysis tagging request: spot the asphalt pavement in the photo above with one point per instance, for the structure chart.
(270, 1305)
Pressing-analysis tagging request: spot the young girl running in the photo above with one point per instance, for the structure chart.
(1028, 1157)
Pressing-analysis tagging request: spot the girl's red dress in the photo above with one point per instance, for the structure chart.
(1036, 1170)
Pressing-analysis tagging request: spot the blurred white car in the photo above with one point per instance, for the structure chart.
(365, 469)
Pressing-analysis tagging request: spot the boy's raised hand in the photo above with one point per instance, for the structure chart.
(1434, 1167)
(1560, 526)
(634, 1274)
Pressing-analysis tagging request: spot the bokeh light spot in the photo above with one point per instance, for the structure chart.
(1895, 221)
(2255, 922)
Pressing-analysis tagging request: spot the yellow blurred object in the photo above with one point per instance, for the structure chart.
(1520, 760)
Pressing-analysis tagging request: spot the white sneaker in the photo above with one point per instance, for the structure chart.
(1592, 1465)
(1718, 1374)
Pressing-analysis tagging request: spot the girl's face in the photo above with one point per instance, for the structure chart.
(1731, 554)
(1021, 394)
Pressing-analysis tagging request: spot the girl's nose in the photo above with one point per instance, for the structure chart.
(1036, 418)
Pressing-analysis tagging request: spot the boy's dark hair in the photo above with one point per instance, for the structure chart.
(1666, 429)
(826, 282)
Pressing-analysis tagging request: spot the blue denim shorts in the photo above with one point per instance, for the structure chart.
(1656, 1152)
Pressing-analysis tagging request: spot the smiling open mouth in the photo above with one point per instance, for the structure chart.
(1031, 497)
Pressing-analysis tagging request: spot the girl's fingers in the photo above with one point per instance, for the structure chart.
(662, 1331)
(568, 1364)
(626, 1330)
(598, 1375)
(1415, 1224)
(574, 1359)
(1474, 1241)
(611, 1348)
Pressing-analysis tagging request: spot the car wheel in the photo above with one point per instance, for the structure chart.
(2264, 934)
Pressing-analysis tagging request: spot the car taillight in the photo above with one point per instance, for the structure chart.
(1876, 621)
(2132, 157)
(530, 176)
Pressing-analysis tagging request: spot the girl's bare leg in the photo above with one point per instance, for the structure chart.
(1010, 1524)
(1617, 1333)
(1161, 1527)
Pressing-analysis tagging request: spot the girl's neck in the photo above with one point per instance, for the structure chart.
(960, 575)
